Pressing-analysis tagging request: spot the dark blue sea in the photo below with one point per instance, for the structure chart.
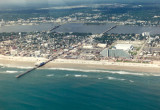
(71, 89)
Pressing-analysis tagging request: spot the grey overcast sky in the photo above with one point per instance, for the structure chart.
(36, 2)
(25, 2)
(52, 1)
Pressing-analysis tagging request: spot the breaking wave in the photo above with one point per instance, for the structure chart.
(131, 81)
(11, 71)
(50, 75)
(113, 78)
(108, 71)
(18, 67)
(67, 75)
(77, 75)
(100, 78)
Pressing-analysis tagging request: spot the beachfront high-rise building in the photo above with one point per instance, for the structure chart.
(146, 34)
(115, 53)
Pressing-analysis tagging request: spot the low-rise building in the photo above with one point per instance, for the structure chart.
(88, 46)
(101, 45)
(13, 52)
(125, 47)
(37, 53)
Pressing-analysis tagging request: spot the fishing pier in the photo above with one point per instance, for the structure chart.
(44, 63)
(36, 67)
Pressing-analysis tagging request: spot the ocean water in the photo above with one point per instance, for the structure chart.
(71, 89)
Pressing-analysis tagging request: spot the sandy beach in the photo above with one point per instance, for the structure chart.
(25, 62)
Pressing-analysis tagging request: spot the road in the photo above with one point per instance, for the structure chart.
(140, 50)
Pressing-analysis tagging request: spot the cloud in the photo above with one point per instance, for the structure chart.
(11, 1)
(25, 2)
(28, 1)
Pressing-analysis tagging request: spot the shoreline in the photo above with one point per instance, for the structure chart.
(28, 62)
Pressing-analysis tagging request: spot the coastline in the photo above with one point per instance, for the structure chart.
(25, 62)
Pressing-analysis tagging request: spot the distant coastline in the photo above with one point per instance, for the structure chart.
(25, 62)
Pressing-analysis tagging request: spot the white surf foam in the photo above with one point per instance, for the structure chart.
(100, 78)
(81, 70)
(106, 71)
(113, 78)
(11, 71)
(77, 75)
(67, 75)
(19, 67)
(127, 73)
(131, 81)
(50, 75)
(153, 74)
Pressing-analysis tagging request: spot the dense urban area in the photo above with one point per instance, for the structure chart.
(123, 14)
(134, 47)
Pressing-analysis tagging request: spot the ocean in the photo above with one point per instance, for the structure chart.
(72, 89)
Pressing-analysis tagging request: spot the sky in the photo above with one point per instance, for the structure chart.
(43, 2)
(56, 1)
(36, 2)
(5, 3)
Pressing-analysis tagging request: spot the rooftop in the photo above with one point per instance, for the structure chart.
(125, 47)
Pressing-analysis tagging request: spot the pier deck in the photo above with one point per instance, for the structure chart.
(44, 63)
(36, 67)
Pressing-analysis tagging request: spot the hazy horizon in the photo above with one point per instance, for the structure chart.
(65, 2)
